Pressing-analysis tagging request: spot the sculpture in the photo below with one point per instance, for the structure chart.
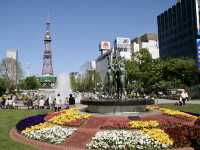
(115, 80)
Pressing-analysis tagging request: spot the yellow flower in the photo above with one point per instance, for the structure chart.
(159, 135)
(68, 115)
(177, 113)
(144, 124)
(38, 127)
(152, 107)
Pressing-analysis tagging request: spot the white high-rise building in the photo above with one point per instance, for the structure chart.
(11, 53)
(147, 41)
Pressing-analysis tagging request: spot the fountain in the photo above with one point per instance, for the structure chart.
(114, 99)
(63, 86)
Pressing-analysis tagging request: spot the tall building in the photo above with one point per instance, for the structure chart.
(122, 48)
(178, 30)
(147, 41)
(102, 63)
(11, 53)
(47, 68)
(11, 66)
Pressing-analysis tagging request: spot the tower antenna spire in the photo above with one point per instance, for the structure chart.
(48, 22)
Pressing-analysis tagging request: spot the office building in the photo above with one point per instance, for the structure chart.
(147, 41)
(178, 30)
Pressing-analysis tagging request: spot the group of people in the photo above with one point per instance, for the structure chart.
(37, 102)
(8, 102)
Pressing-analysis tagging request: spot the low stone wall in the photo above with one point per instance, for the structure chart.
(113, 106)
(114, 109)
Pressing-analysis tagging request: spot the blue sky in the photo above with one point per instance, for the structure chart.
(77, 26)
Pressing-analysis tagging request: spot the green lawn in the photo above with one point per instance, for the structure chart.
(8, 120)
(194, 108)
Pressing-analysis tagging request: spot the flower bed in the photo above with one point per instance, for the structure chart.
(48, 133)
(154, 132)
(159, 135)
(124, 139)
(69, 117)
(29, 121)
(144, 124)
(184, 135)
(51, 115)
(116, 123)
(178, 114)
(197, 121)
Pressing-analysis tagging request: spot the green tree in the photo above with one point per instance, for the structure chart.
(2, 86)
(74, 81)
(142, 57)
(30, 83)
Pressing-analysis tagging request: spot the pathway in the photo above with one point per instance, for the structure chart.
(168, 101)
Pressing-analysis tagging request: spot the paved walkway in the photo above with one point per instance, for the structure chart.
(168, 101)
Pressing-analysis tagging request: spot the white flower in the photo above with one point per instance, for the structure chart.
(123, 139)
(56, 134)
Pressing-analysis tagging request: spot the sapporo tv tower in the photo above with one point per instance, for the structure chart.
(47, 80)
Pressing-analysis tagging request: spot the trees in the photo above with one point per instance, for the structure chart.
(85, 83)
(11, 70)
(30, 83)
(160, 74)
(2, 86)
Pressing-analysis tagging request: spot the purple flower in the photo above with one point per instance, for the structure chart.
(30, 121)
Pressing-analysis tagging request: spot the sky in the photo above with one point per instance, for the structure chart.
(77, 27)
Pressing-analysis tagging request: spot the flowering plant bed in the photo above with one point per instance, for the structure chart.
(178, 114)
(125, 139)
(29, 121)
(153, 132)
(69, 117)
(48, 133)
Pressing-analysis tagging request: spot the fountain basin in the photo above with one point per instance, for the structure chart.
(116, 106)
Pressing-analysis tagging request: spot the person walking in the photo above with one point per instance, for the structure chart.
(58, 103)
(41, 103)
(183, 96)
(30, 103)
(187, 95)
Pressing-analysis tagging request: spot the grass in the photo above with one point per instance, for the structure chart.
(194, 108)
(8, 120)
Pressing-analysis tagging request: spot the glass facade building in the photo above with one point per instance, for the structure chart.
(178, 30)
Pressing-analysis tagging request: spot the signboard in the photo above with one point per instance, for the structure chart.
(51, 79)
(123, 42)
(198, 53)
(105, 45)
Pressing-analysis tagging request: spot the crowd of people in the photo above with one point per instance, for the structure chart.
(36, 102)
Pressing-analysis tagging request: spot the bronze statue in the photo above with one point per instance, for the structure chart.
(115, 80)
